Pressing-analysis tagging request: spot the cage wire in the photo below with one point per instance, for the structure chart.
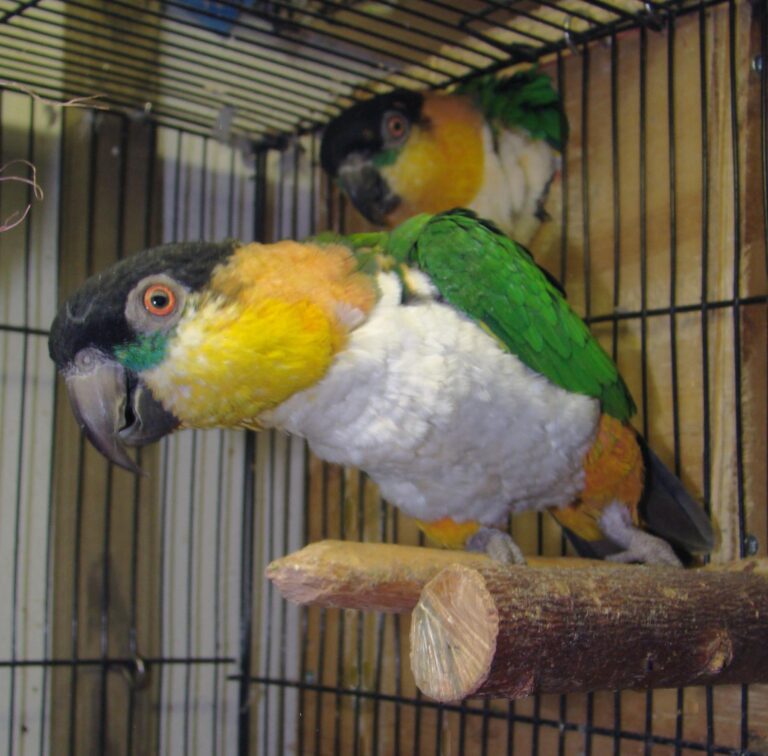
(137, 618)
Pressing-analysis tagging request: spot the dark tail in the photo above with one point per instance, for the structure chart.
(670, 511)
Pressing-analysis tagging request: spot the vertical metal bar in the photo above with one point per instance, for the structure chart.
(106, 562)
(397, 645)
(562, 717)
(269, 538)
(510, 728)
(585, 218)
(361, 477)
(561, 87)
(248, 514)
(462, 729)
(304, 611)
(616, 184)
(175, 225)
(704, 115)
(134, 598)
(293, 232)
(439, 731)
(75, 606)
(246, 592)
(323, 615)
(763, 67)
(485, 732)
(189, 668)
(20, 463)
(672, 154)
(81, 464)
(284, 604)
(739, 404)
(380, 627)
(340, 638)
(273, 516)
(733, 82)
(644, 295)
(220, 547)
(49, 548)
(587, 271)
(104, 613)
(136, 502)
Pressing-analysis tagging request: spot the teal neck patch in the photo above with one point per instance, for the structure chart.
(145, 353)
(386, 157)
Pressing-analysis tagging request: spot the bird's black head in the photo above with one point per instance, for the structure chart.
(112, 322)
(363, 139)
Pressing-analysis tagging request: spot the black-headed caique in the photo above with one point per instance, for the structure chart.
(438, 358)
(492, 145)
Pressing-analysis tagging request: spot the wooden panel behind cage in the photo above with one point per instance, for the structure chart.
(640, 215)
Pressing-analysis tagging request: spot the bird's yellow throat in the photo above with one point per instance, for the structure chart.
(441, 165)
(267, 327)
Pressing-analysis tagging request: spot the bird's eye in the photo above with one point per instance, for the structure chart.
(156, 303)
(395, 126)
(159, 300)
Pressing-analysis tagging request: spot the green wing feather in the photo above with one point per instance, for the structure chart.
(479, 270)
(526, 100)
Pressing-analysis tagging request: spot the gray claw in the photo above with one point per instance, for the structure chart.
(638, 546)
(498, 545)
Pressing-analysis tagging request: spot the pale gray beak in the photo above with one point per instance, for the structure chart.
(113, 407)
(367, 189)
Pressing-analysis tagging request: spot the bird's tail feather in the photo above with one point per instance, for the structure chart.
(670, 511)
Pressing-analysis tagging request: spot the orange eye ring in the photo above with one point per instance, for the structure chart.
(159, 300)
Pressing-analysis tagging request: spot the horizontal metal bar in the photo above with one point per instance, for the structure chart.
(464, 708)
(22, 7)
(117, 661)
(680, 309)
(24, 330)
(759, 299)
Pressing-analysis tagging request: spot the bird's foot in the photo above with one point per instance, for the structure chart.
(637, 545)
(498, 545)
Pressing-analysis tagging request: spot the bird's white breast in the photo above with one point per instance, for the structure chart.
(444, 420)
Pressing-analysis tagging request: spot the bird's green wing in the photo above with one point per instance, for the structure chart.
(524, 100)
(479, 270)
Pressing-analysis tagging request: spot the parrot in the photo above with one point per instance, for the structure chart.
(437, 357)
(492, 145)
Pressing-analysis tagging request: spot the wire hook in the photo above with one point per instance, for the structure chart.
(136, 673)
(655, 21)
(568, 37)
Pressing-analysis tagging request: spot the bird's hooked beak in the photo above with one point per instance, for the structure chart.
(113, 407)
(367, 188)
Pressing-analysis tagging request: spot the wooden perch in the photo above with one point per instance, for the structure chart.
(374, 576)
(511, 632)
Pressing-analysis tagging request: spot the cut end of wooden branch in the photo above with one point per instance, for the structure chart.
(371, 576)
(457, 620)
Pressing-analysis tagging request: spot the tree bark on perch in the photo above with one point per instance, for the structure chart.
(512, 631)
